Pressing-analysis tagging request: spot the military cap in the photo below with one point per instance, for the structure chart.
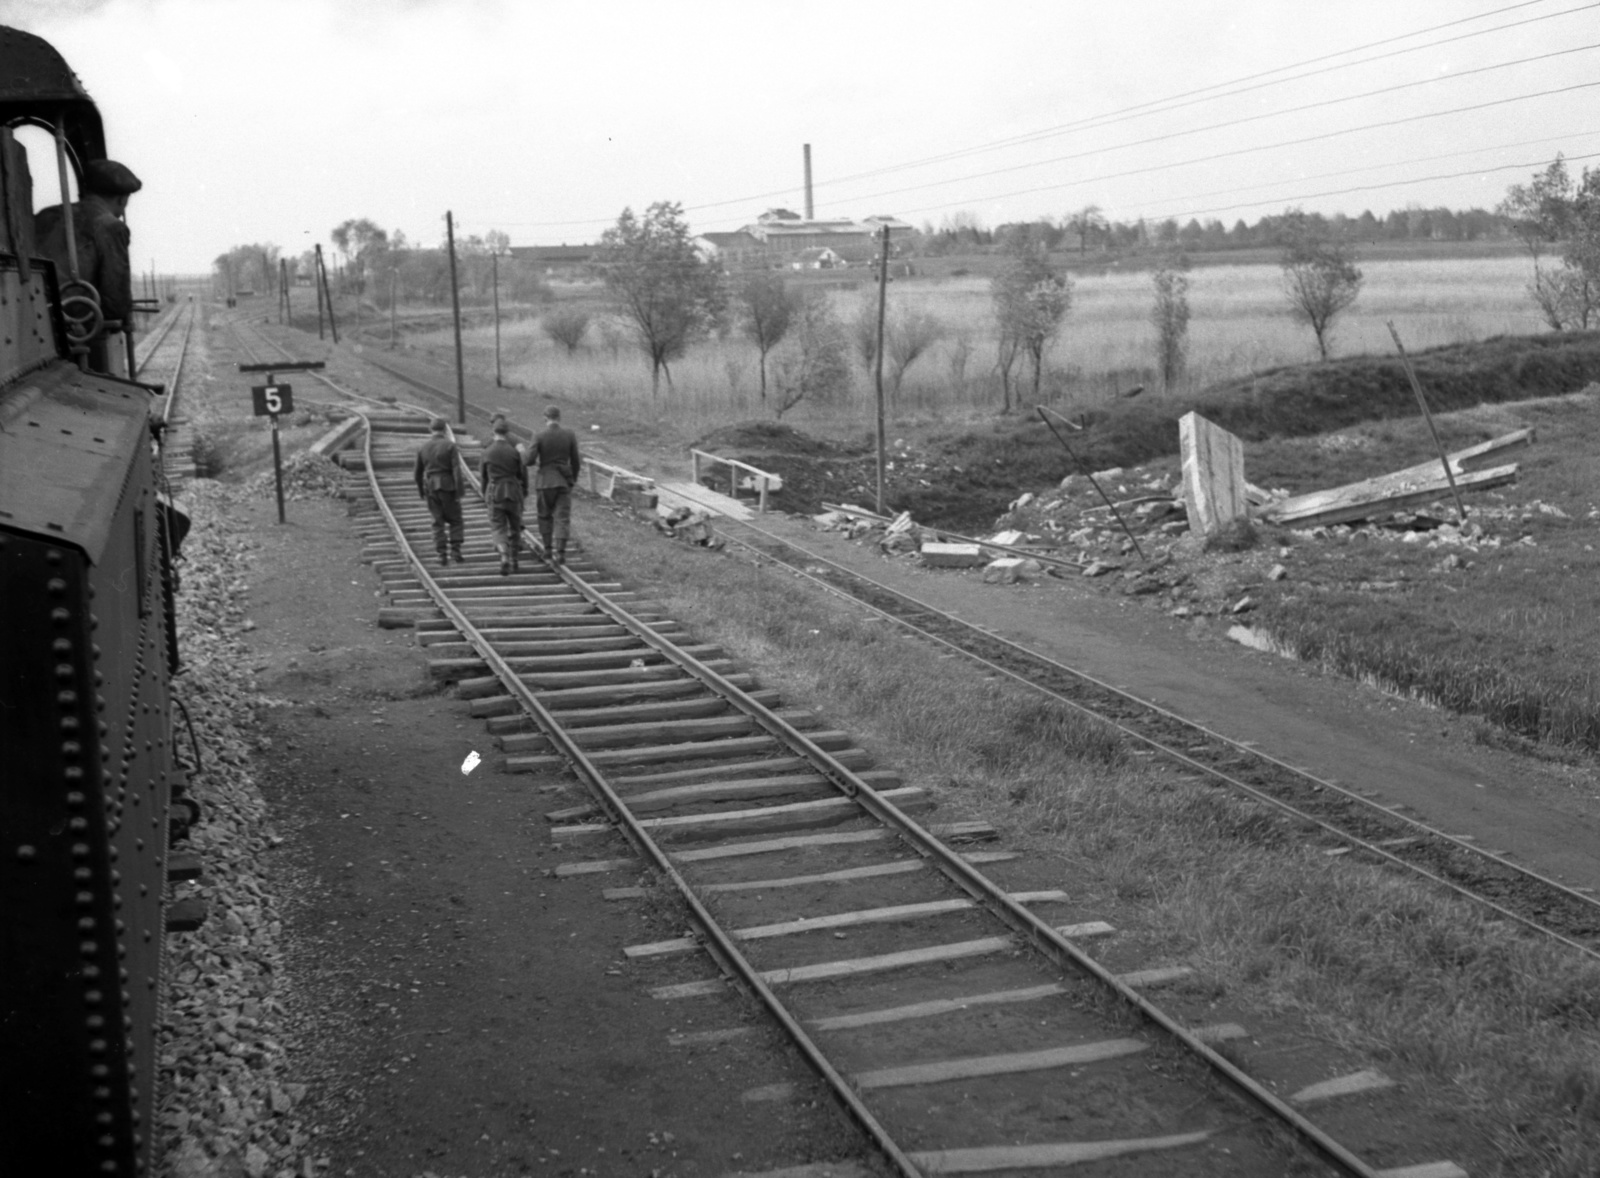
(553, 413)
(500, 427)
(437, 425)
(109, 178)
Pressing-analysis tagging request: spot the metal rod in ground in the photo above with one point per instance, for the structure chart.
(883, 301)
(455, 307)
(1086, 474)
(277, 463)
(1427, 415)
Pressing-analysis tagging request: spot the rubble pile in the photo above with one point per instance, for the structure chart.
(305, 476)
(692, 527)
(227, 1104)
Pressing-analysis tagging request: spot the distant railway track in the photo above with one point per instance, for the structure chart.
(161, 360)
(757, 813)
(1343, 817)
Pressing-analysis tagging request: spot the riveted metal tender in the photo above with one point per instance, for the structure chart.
(87, 764)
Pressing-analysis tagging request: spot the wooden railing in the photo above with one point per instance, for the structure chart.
(763, 479)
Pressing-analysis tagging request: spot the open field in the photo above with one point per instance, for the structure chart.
(1240, 324)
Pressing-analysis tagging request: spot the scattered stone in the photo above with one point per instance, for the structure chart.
(1277, 573)
(952, 556)
(1244, 604)
(1099, 568)
(1010, 569)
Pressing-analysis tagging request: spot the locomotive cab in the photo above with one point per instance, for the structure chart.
(85, 708)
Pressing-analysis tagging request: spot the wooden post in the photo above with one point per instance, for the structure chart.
(394, 303)
(494, 267)
(283, 283)
(455, 307)
(1427, 415)
(322, 268)
(1213, 475)
(883, 304)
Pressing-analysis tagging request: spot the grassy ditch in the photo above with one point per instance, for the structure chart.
(1502, 1029)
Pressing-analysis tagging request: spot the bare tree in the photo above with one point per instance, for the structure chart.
(1030, 300)
(661, 286)
(767, 309)
(1087, 222)
(1319, 274)
(361, 243)
(906, 338)
(864, 330)
(566, 326)
(1548, 210)
(1170, 315)
(814, 361)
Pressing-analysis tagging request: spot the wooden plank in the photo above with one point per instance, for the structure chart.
(1354, 1084)
(755, 768)
(795, 815)
(862, 916)
(595, 866)
(608, 695)
(1011, 1063)
(855, 966)
(797, 842)
(1213, 475)
(1066, 1153)
(477, 687)
(846, 875)
(1148, 979)
(1425, 1170)
(709, 1038)
(657, 731)
(622, 893)
(759, 787)
(652, 754)
(1374, 496)
(664, 709)
(814, 1170)
(937, 1006)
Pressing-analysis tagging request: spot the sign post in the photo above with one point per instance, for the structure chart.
(271, 399)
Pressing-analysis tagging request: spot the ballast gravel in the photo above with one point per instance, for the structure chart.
(228, 1106)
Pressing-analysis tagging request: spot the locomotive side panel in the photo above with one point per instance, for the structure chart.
(84, 720)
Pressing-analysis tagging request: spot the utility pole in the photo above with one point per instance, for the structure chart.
(883, 306)
(333, 324)
(494, 268)
(316, 281)
(283, 285)
(455, 307)
(394, 281)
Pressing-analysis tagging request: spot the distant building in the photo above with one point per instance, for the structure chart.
(817, 258)
(783, 238)
(549, 258)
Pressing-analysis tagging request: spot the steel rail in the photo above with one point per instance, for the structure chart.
(717, 941)
(151, 345)
(1041, 935)
(1189, 762)
(177, 372)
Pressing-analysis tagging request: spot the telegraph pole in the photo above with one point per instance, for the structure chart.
(455, 306)
(883, 305)
(494, 267)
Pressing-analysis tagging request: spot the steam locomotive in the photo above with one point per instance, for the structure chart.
(88, 768)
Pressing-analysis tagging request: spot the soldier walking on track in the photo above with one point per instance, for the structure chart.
(505, 485)
(436, 483)
(553, 455)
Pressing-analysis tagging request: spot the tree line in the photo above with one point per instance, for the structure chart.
(377, 265)
(1089, 229)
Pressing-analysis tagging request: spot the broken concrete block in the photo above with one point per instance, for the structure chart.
(1213, 475)
(953, 556)
(1010, 569)
(1008, 538)
(1101, 567)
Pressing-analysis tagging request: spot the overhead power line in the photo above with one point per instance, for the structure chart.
(1116, 115)
(1243, 151)
(1175, 102)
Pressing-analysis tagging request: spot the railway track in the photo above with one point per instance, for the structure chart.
(1346, 821)
(160, 359)
(969, 1021)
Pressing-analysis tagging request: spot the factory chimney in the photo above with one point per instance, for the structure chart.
(811, 214)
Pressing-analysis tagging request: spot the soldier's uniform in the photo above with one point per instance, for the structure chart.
(553, 455)
(435, 472)
(102, 238)
(505, 486)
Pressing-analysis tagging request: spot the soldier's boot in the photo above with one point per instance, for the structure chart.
(505, 560)
(561, 551)
(455, 552)
(444, 558)
(514, 553)
(549, 547)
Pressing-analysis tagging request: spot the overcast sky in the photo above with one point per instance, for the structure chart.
(274, 120)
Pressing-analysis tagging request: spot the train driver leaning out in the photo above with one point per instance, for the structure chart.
(102, 238)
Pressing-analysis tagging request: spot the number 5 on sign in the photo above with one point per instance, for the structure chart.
(269, 400)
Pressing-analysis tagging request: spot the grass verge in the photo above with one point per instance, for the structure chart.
(1498, 1028)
